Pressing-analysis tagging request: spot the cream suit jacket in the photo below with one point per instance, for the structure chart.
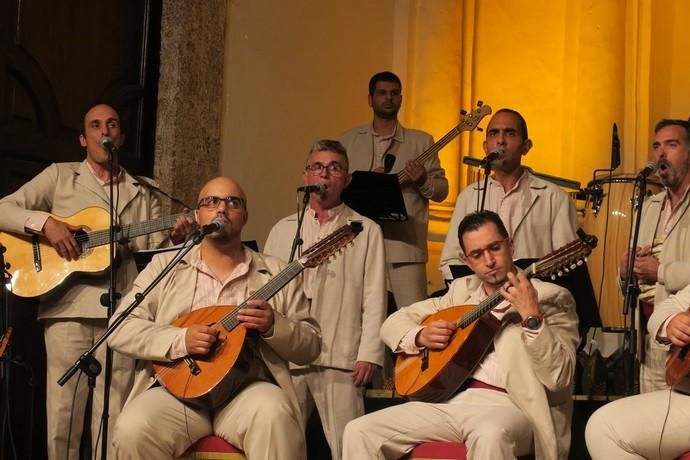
(147, 335)
(64, 189)
(350, 300)
(676, 303)
(405, 241)
(549, 221)
(538, 373)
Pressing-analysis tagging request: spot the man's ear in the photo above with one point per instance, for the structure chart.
(369, 100)
(348, 179)
(526, 146)
(82, 140)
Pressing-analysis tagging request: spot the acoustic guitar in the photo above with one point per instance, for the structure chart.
(210, 380)
(436, 375)
(468, 122)
(678, 368)
(37, 268)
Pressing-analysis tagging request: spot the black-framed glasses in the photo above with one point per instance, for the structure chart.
(212, 202)
(334, 168)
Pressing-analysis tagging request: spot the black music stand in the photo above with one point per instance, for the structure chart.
(376, 195)
(577, 281)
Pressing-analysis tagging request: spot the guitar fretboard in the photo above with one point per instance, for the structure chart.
(293, 269)
(452, 134)
(101, 237)
(486, 305)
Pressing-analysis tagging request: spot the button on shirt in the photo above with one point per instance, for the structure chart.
(314, 231)
(210, 290)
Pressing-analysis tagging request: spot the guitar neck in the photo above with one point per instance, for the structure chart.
(434, 149)
(270, 289)
(486, 305)
(102, 237)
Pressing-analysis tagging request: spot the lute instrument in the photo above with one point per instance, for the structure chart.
(436, 375)
(210, 380)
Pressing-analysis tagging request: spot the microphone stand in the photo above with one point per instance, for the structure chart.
(632, 289)
(486, 165)
(297, 241)
(86, 362)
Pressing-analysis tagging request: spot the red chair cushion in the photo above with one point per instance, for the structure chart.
(439, 450)
(214, 448)
(685, 456)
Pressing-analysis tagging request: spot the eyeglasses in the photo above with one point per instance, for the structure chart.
(494, 249)
(212, 202)
(334, 168)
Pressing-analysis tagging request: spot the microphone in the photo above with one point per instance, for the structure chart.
(491, 157)
(316, 188)
(648, 170)
(216, 226)
(107, 144)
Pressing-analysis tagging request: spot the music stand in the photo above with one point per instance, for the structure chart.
(577, 281)
(376, 195)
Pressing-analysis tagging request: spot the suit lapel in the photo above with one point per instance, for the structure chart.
(86, 179)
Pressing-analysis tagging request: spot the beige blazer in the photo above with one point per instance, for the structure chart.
(549, 221)
(350, 300)
(405, 241)
(675, 256)
(675, 303)
(64, 189)
(147, 335)
(538, 373)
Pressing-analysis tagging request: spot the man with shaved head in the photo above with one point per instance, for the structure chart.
(263, 418)
(72, 314)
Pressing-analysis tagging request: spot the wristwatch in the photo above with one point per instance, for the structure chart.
(532, 322)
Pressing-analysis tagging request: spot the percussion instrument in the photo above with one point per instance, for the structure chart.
(609, 215)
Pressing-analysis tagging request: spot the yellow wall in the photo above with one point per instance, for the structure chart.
(297, 71)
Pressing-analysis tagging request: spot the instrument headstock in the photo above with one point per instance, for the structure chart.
(331, 244)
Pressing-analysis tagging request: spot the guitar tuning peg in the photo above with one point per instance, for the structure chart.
(480, 103)
(560, 272)
(463, 112)
(566, 269)
(573, 266)
(480, 129)
(553, 277)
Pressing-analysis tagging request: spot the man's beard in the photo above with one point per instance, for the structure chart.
(386, 115)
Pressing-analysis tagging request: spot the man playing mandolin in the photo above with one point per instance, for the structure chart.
(263, 418)
(518, 397)
(72, 314)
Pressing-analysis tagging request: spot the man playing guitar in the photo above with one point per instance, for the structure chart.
(72, 315)
(519, 398)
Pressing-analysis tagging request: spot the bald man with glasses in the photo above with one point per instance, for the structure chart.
(263, 418)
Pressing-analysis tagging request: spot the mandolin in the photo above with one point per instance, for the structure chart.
(210, 380)
(436, 375)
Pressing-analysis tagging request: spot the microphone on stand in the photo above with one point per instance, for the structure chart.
(316, 188)
(648, 170)
(107, 143)
(492, 156)
(216, 226)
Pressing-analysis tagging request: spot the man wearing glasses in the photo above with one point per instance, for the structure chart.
(518, 400)
(384, 145)
(347, 296)
(263, 418)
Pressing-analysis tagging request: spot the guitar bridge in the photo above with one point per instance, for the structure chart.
(193, 367)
